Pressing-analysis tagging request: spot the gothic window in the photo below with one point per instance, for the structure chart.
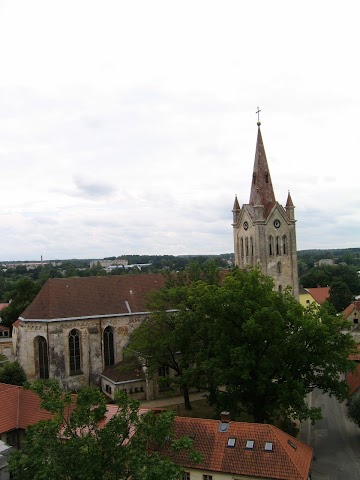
(108, 338)
(74, 352)
(271, 245)
(242, 246)
(285, 248)
(246, 246)
(42, 360)
(251, 247)
(279, 267)
(278, 246)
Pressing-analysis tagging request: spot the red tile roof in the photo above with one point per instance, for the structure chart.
(22, 408)
(3, 305)
(353, 380)
(319, 294)
(289, 459)
(93, 296)
(350, 308)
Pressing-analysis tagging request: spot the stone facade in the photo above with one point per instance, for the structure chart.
(69, 333)
(264, 230)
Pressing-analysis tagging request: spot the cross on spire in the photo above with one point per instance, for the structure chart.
(258, 114)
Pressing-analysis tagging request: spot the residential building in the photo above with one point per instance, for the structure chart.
(264, 230)
(317, 295)
(238, 450)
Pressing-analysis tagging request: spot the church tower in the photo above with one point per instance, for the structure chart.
(264, 231)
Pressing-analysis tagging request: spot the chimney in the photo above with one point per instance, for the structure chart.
(225, 417)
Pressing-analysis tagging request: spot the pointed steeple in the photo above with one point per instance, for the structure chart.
(262, 192)
(289, 207)
(236, 204)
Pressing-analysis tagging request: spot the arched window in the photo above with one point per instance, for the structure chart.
(41, 358)
(271, 245)
(246, 246)
(251, 246)
(279, 267)
(242, 246)
(285, 248)
(278, 246)
(108, 338)
(74, 352)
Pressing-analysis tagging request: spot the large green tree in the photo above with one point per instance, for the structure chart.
(254, 349)
(77, 444)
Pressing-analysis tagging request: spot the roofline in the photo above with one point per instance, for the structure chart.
(110, 315)
(121, 383)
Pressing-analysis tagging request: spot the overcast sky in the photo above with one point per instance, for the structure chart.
(127, 127)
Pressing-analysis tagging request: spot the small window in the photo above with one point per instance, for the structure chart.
(207, 477)
(108, 389)
(186, 475)
(271, 245)
(231, 442)
(268, 447)
(356, 320)
(307, 301)
(242, 246)
(250, 444)
(280, 289)
(278, 246)
(279, 267)
(141, 388)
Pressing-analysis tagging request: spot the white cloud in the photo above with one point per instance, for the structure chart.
(127, 127)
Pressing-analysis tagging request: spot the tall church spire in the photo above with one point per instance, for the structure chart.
(262, 192)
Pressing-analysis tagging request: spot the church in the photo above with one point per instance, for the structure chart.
(77, 329)
(264, 231)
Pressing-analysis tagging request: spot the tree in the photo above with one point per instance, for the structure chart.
(340, 295)
(21, 295)
(169, 339)
(354, 410)
(77, 443)
(12, 373)
(265, 349)
(253, 349)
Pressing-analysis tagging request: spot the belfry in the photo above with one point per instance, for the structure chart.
(264, 230)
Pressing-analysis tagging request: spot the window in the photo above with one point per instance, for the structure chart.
(280, 288)
(108, 388)
(356, 320)
(242, 246)
(307, 301)
(108, 338)
(268, 447)
(284, 244)
(250, 444)
(277, 246)
(207, 477)
(231, 442)
(74, 352)
(164, 371)
(271, 245)
(41, 358)
(246, 246)
(186, 475)
(279, 267)
(251, 247)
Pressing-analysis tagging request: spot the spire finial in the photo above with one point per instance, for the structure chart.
(258, 114)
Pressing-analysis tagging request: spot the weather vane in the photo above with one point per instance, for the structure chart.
(258, 114)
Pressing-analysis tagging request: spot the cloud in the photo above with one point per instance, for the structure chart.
(93, 189)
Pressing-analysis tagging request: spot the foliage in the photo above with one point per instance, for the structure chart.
(160, 339)
(77, 444)
(340, 295)
(354, 410)
(329, 274)
(12, 373)
(21, 295)
(251, 348)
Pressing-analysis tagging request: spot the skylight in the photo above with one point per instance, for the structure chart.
(292, 444)
(268, 447)
(250, 444)
(231, 442)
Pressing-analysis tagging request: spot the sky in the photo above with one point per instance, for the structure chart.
(127, 127)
